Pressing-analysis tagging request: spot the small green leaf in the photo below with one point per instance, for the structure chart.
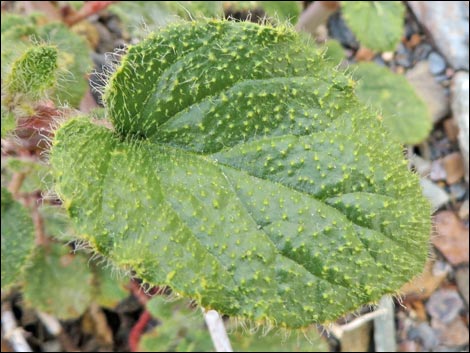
(17, 239)
(74, 62)
(34, 73)
(378, 25)
(58, 283)
(243, 173)
(405, 114)
(22, 34)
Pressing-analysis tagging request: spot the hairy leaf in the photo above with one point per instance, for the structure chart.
(377, 24)
(17, 239)
(243, 173)
(34, 73)
(74, 62)
(405, 114)
(70, 60)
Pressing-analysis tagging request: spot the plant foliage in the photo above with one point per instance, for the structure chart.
(243, 172)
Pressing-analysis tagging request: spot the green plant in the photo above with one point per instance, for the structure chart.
(243, 172)
(17, 239)
(72, 281)
(405, 114)
(42, 61)
(378, 25)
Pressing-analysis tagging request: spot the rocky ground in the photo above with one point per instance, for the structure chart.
(432, 315)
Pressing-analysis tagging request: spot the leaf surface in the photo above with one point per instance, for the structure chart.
(252, 181)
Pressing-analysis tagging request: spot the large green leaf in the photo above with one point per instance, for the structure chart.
(378, 25)
(405, 115)
(17, 239)
(243, 173)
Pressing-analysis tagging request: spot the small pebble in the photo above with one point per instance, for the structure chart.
(421, 52)
(452, 334)
(461, 278)
(437, 64)
(435, 194)
(425, 334)
(387, 56)
(451, 129)
(444, 305)
(340, 31)
(403, 56)
(463, 211)
(458, 190)
(379, 61)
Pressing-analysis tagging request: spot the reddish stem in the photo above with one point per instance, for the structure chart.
(137, 330)
(143, 297)
(89, 8)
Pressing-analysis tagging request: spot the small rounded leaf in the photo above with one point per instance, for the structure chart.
(58, 282)
(378, 25)
(34, 73)
(404, 114)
